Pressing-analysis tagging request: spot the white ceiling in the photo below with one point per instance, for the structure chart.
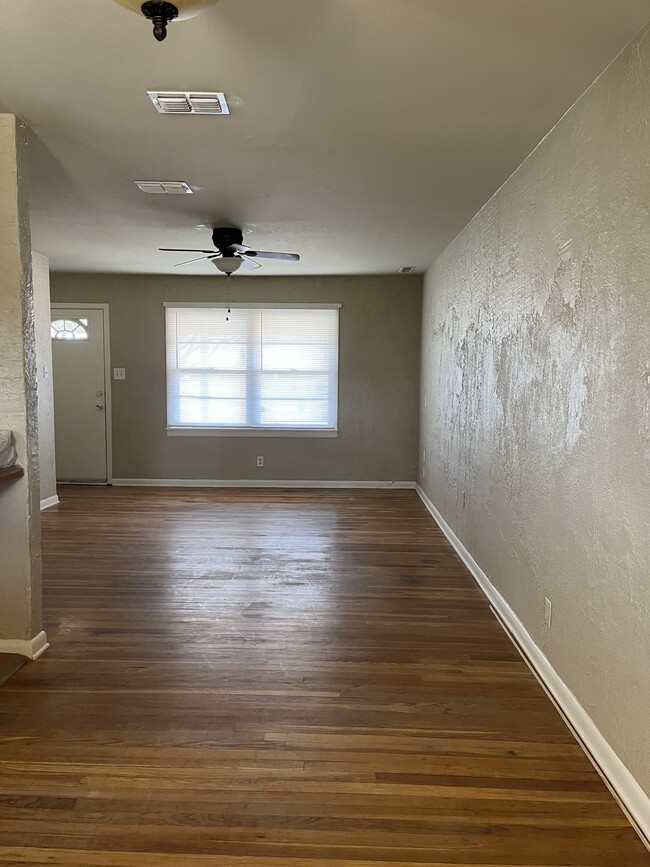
(364, 133)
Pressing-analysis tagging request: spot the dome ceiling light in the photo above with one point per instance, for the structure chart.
(161, 12)
(229, 265)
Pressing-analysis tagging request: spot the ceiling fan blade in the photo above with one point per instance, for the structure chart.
(266, 254)
(248, 263)
(239, 248)
(182, 250)
(198, 259)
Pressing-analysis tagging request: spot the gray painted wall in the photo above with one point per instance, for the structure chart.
(378, 381)
(534, 390)
(46, 461)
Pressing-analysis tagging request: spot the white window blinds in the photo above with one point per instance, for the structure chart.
(271, 368)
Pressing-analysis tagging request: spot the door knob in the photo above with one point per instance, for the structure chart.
(99, 406)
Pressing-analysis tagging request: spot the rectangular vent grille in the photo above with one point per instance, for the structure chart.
(171, 188)
(189, 103)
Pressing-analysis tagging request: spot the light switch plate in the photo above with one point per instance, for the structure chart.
(119, 373)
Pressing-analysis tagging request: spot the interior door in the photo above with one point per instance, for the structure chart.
(78, 373)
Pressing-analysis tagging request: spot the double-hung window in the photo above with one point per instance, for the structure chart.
(254, 369)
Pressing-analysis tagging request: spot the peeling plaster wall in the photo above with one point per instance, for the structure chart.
(20, 559)
(534, 387)
(42, 319)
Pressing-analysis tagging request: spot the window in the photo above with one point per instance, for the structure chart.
(262, 368)
(69, 329)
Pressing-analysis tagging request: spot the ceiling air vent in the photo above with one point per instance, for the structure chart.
(170, 188)
(171, 102)
(406, 269)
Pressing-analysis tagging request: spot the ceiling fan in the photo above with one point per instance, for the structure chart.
(231, 253)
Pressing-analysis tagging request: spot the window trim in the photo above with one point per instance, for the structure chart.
(253, 305)
(195, 431)
(308, 432)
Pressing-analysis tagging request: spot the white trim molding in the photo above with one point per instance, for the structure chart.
(258, 483)
(322, 433)
(32, 648)
(634, 802)
(254, 305)
(49, 502)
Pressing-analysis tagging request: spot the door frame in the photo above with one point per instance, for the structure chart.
(108, 403)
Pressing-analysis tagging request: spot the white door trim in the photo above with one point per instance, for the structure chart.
(108, 404)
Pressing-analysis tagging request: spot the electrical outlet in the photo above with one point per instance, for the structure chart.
(548, 611)
(260, 461)
(119, 373)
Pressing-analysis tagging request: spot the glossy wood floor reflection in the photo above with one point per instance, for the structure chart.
(282, 679)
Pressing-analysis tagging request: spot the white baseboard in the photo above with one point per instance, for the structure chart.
(49, 502)
(32, 648)
(634, 802)
(257, 483)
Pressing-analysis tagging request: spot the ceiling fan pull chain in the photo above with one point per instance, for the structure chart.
(228, 296)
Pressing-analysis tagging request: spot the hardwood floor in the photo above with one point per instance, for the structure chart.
(282, 679)
(9, 664)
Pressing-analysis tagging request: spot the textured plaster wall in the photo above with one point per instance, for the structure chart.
(534, 396)
(47, 468)
(20, 563)
(378, 379)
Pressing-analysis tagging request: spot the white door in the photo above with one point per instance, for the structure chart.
(79, 379)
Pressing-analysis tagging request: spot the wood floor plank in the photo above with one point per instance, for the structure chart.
(251, 678)
(9, 664)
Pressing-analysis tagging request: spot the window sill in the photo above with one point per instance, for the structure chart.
(319, 433)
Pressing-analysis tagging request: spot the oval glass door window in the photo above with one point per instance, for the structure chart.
(69, 329)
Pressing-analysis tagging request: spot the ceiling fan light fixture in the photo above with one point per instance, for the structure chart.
(229, 253)
(162, 12)
(228, 265)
